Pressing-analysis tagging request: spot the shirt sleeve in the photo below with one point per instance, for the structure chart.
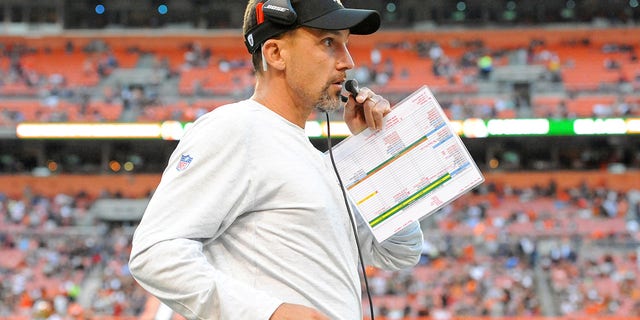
(205, 187)
(400, 251)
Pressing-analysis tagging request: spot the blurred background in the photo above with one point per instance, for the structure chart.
(95, 94)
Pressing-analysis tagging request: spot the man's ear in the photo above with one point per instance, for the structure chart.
(272, 52)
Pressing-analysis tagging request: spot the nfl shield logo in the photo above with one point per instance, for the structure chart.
(185, 161)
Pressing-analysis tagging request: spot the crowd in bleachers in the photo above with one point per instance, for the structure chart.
(56, 265)
(502, 251)
(499, 251)
(596, 78)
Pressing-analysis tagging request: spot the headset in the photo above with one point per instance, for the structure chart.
(278, 11)
(273, 17)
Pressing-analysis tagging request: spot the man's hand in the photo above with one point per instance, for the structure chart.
(365, 111)
(288, 311)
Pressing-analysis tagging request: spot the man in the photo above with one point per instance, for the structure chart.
(249, 221)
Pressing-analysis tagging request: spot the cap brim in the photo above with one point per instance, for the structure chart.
(358, 21)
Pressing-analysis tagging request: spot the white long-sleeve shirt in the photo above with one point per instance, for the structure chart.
(249, 215)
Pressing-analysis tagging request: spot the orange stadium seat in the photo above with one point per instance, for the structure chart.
(174, 56)
(78, 69)
(126, 59)
(30, 109)
(108, 111)
(583, 106)
(11, 258)
(545, 105)
(5, 63)
(584, 68)
(588, 79)
(17, 89)
(633, 99)
(157, 113)
(191, 79)
(631, 73)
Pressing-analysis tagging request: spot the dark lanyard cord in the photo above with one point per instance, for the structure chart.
(351, 218)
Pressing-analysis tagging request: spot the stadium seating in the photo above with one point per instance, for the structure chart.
(477, 263)
(589, 71)
(470, 250)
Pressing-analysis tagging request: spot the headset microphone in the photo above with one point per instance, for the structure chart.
(352, 86)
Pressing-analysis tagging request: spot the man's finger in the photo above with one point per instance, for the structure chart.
(369, 116)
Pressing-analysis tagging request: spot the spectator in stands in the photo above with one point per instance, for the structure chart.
(485, 66)
(435, 52)
(69, 47)
(602, 110)
(611, 64)
(376, 57)
(248, 238)
(554, 68)
(622, 108)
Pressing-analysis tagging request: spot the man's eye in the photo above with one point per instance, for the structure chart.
(328, 42)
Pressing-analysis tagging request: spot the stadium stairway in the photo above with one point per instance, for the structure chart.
(90, 286)
(547, 303)
(518, 73)
(143, 74)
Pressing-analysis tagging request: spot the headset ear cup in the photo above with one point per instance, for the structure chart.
(280, 11)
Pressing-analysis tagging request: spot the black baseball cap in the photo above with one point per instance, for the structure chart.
(274, 17)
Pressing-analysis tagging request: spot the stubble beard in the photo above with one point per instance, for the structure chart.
(328, 102)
